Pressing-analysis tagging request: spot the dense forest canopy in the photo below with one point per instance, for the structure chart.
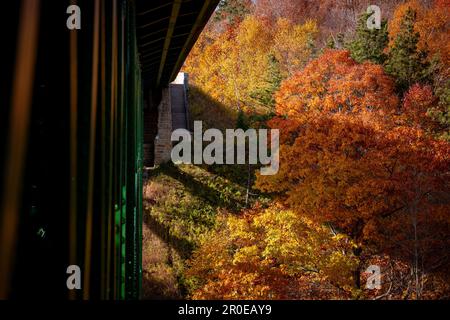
(364, 156)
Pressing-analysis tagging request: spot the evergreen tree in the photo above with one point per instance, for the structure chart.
(405, 62)
(441, 113)
(369, 45)
(242, 121)
(232, 10)
(264, 96)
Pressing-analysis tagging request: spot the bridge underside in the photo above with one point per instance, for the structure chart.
(166, 32)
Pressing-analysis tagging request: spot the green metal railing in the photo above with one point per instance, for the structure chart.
(71, 127)
(76, 198)
(115, 270)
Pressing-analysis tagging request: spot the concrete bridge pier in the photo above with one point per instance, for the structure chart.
(162, 117)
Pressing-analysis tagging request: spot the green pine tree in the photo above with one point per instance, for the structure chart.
(264, 96)
(441, 113)
(369, 45)
(405, 62)
(232, 10)
(242, 121)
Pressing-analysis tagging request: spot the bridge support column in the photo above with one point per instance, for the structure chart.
(163, 144)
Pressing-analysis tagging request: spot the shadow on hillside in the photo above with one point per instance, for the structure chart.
(211, 112)
(215, 114)
(183, 246)
(214, 197)
(156, 289)
(208, 187)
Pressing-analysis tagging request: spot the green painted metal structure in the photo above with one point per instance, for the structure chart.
(71, 138)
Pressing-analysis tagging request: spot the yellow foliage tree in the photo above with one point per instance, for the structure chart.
(272, 254)
(293, 44)
(232, 65)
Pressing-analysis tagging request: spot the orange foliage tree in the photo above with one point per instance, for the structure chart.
(347, 159)
(416, 103)
(336, 83)
(362, 179)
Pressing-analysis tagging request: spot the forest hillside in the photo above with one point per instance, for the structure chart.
(364, 173)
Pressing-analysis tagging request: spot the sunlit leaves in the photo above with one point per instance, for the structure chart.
(335, 83)
(273, 254)
(234, 66)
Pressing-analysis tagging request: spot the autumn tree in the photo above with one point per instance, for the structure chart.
(272, 253)
(334, 82)
(237, 65)
(416, 103)
(293, 44)
(380, 187)
(292, 10)
(346, 159)
(363, 157)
